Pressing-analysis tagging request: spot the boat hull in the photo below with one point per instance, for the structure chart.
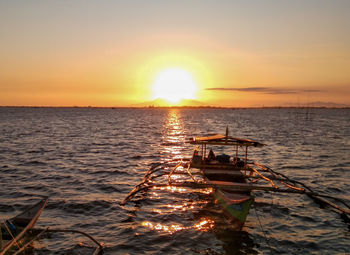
(235, 210)
(235, 203)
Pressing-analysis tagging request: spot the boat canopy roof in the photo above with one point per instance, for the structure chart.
(224, 141)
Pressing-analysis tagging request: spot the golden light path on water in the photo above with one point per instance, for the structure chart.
(173, 143)
(174, 135)
(203, 225)
(184, 190)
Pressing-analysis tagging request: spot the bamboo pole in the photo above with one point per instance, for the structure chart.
(97, 251)
(310, 192)
(172, 171)
(189, 172)
(30, 242)
(78, 232)
(264, 177)
(136, 190)
(14, 239)
(325, 201)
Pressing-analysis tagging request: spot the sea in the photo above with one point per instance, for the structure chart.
(86, 160)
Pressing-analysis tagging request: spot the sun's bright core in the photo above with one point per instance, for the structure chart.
(173, 85)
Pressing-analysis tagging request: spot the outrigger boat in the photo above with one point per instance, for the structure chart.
(18, 233)
(223, 169)
(231, 178)
(14, 233)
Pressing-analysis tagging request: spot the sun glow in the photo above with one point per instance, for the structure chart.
(174, 85)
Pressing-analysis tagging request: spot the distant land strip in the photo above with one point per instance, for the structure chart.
(184, 107)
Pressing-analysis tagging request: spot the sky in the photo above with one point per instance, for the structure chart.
(238, 53)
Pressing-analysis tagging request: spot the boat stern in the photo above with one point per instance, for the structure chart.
(235, 206)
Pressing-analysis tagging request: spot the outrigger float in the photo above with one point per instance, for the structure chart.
(232, 179)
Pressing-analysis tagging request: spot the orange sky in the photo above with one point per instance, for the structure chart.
(239, 53)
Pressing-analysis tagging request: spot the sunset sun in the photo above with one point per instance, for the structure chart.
(173, 85)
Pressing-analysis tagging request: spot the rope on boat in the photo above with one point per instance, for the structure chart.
(262, 229)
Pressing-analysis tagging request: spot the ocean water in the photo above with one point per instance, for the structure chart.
(88, 159)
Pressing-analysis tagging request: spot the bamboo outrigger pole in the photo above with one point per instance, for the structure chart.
(320, 198)
(292, 185)
(243, 187)
(99, 248)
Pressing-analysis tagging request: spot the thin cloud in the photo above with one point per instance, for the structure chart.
(268, 90)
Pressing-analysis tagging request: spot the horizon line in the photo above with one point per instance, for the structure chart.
(189, 107)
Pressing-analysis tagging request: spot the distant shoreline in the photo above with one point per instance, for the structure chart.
(181, 107)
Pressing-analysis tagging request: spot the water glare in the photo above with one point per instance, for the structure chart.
(203, 225)
(87, 160)
(173, 136)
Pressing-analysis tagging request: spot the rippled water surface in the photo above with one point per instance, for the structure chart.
(87, 160)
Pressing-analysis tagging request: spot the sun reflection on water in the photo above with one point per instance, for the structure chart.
(203, 225)
(177, 189)
(173, 145)
(173, 189)
(187, 206)
(173, 137)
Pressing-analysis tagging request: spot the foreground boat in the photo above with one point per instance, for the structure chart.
(224, 169)
(232, 179)
(14, 231)
(18, 233)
